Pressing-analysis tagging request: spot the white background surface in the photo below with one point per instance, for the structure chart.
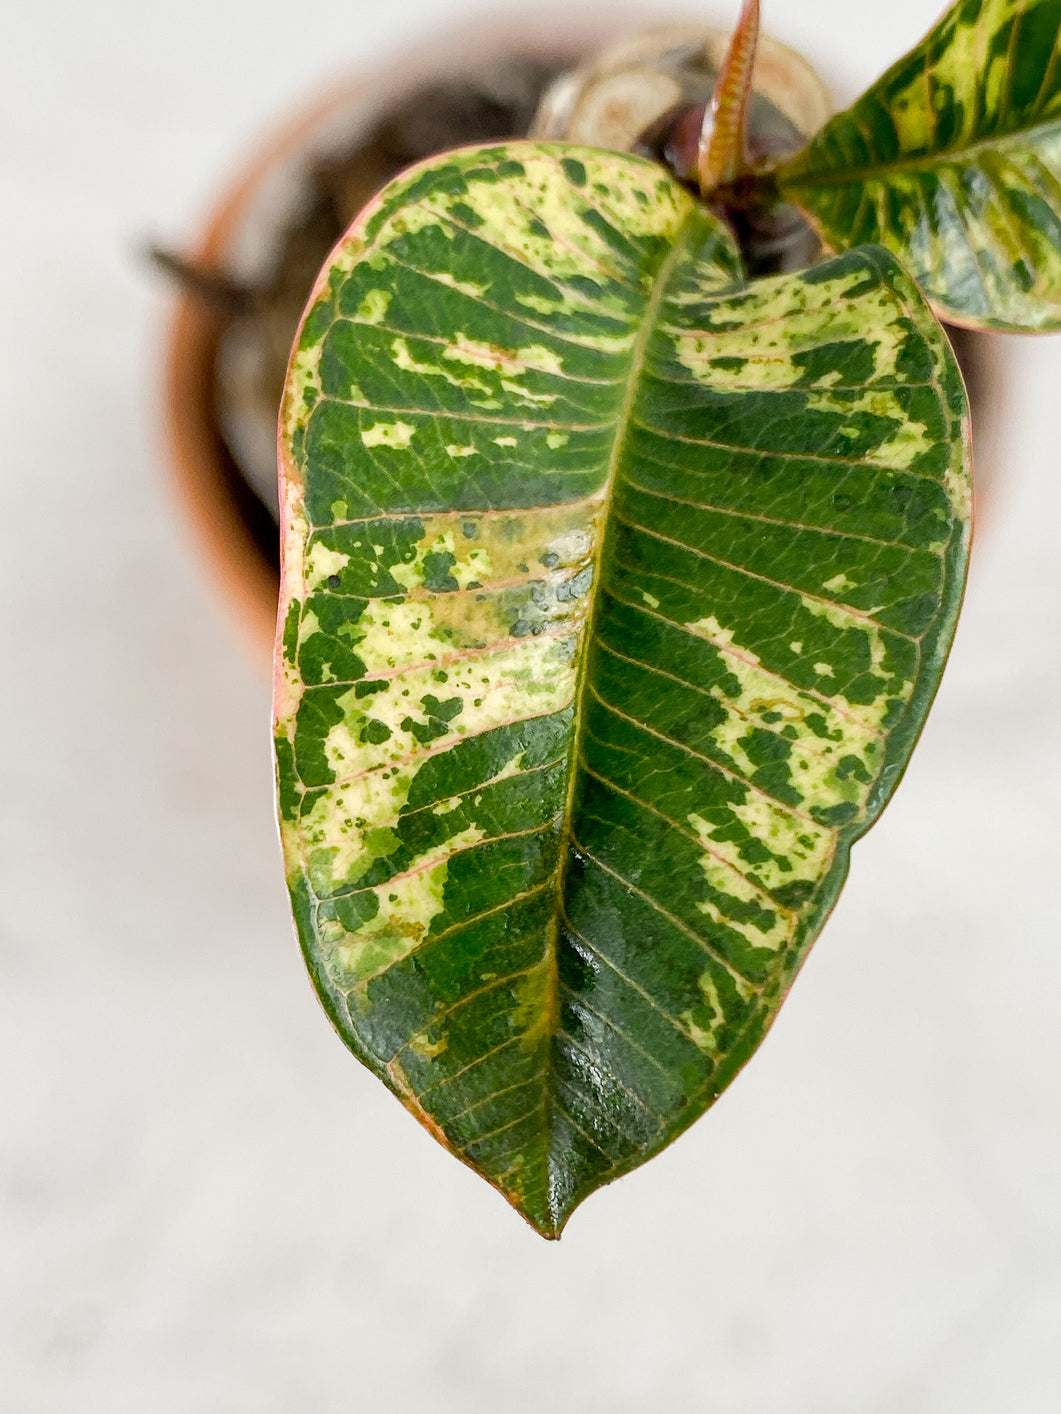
(205, 1204)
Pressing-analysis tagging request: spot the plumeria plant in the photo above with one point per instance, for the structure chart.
(618, 578)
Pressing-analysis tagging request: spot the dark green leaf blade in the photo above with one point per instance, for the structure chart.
(615, 592)
(953, 161)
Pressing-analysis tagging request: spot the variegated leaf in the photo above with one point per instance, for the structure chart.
(953, 161)
(615, 592)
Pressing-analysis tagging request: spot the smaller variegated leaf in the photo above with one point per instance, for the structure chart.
(953, 161)
(615, 591)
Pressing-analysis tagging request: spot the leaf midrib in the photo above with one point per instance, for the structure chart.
(944, 155)
(624, 422)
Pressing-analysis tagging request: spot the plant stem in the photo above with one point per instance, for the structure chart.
(721, 153)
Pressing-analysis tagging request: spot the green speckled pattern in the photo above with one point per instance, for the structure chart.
(953, 161)
(615, 592)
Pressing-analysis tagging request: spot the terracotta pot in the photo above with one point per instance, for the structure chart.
(232, 529)
(235, 533)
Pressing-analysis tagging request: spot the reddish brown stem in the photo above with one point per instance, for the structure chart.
(721, 155)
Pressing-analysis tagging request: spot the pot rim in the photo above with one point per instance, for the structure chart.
(217, 506)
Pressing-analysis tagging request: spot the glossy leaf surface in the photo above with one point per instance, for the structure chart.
(953, 161)
(615, 592)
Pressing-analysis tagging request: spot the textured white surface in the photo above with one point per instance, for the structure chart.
(206, 1204)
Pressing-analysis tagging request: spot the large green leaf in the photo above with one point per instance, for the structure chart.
(615, 592)
(953, 161)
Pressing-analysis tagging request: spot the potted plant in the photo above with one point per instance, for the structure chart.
(619, 574)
